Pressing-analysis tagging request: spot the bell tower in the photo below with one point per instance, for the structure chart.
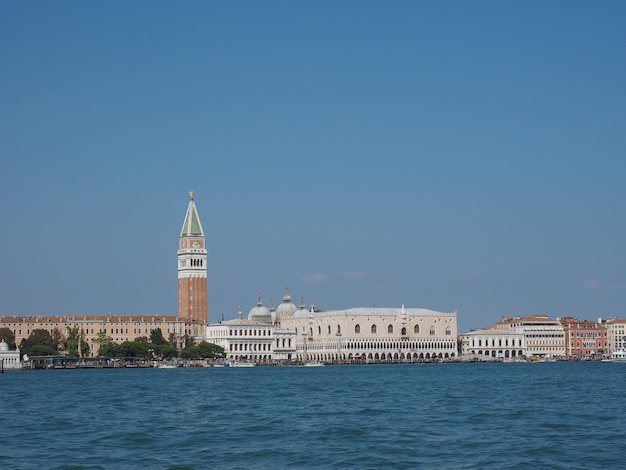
(192, 268)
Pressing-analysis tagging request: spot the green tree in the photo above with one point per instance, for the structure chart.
(211, 351)
(8, 336)
(136, 349)
(37, 338)
(156, 336)
(73, 340)
(59, 340)
(109, 349)
(106, 346)
(40, 350)
(203, 350)
(83, 346)
(165, 351)
(190, 352)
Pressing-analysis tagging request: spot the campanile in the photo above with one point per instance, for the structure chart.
(192, 268)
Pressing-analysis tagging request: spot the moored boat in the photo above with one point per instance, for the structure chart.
(617, 356)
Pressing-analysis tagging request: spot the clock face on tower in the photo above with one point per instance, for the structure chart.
(196, 244)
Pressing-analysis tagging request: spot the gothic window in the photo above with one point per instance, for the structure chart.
(373, 328)
(328, 329)
(390, 329)
(403, 331)
(448, 331)
(432, 330)
(319, 330)
(416, 329)
(357, 328)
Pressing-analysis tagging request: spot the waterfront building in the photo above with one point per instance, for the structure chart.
(584, 337)
(93, 328)
(192, 268)
(192, 303)
(492, 344)
(542, 336)
(9, 359)
(615, 334)
(370, 334)
(249, 340)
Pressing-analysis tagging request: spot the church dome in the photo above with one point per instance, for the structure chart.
(4, 346)
(260, 313)
(286, 309)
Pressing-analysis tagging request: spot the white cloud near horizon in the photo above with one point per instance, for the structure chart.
(356, 275)
(315, 278)
(597, 284)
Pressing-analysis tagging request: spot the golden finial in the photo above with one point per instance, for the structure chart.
(191, 195)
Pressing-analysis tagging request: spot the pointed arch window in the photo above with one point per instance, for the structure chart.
(390, 328)
(373, 328)
(432, 331)
(416, 329)
(357, 328)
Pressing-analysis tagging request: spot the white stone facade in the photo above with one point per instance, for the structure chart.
(615, 335)
(9, 359)
(373, 334)
(251, 341)
(492, 344)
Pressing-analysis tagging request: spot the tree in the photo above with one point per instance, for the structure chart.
(83, 346)
(38, 338)
(156, 336)
(59, 339)
(106, 346)
(165, 351)
(210, 350)
(8, 336)
(203, 350)
(73, 340)
(136, 349)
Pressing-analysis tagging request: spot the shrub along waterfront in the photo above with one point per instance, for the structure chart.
(74, 346)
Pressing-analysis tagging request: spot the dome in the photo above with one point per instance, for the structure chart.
(4, 346)
(286, 309)
(260, 313)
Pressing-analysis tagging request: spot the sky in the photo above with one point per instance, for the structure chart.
(461, 156)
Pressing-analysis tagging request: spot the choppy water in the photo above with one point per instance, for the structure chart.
(551, 415)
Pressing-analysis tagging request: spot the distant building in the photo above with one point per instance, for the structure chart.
(9, 359)
(192, 303)
(249, 340)
(493, 344)
(370, 334)
(615, 334)
(192, 268)
(584, 337)
(542, 336)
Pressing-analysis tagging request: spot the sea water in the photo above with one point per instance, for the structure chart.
(440, 416)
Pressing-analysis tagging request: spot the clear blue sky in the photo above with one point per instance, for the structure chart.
(458, 155)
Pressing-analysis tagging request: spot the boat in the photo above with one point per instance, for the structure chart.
(313, 364)
(168, 366)
(616, 356)
(241, 364)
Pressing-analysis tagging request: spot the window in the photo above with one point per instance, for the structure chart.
(432, 331)
(373, 328)
(390, 329)
(403, 331)
(416, 329)
(357, 328)
(448, 331)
